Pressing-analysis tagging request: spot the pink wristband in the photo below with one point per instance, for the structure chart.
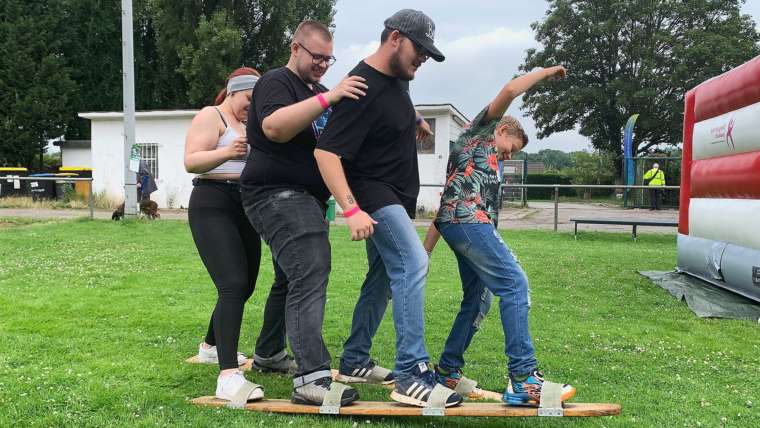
(323, 102)
(352, 211)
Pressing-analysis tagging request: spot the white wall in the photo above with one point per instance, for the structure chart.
(433, 166)
(168, 130)
(76, 156)
(174, 184)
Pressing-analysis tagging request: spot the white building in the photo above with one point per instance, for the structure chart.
(77, 153)
(161, 138)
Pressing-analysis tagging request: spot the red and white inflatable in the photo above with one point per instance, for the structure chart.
(719, 224)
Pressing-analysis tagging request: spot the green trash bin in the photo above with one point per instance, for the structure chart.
(64, 189)
(330, 209)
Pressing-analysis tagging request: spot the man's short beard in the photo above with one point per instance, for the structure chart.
(395, 64)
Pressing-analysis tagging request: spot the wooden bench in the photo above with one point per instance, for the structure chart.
(625, 222)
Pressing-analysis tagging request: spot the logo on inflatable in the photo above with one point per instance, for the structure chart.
(730, 134)
(724, 134)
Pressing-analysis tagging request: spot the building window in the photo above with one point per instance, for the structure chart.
(427, 146)
(149, 154)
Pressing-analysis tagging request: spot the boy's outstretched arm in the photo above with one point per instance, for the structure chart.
(518, 86)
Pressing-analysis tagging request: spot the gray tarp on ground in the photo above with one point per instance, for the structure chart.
(704, 299)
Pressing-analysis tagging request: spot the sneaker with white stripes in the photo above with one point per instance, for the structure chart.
(370, 373)
(416, 388)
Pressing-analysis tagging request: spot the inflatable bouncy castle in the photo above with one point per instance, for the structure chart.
(719, 221)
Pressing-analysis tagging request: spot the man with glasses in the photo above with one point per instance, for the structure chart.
(368, 158)
(285, 198)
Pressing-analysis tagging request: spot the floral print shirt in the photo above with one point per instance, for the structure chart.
(471, 194)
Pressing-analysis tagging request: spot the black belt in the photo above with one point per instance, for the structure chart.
(197, 181)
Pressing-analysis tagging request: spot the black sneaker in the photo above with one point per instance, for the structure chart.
(416, 387)
(313, 393)
(370, 373)
(278, 363)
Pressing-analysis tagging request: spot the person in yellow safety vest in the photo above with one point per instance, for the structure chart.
(655, 178)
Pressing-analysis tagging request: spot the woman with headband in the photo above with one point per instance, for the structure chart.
(216, 149)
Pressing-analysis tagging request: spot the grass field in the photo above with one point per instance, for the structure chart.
(96, 318)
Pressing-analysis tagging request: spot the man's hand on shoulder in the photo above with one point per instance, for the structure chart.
(350, 87)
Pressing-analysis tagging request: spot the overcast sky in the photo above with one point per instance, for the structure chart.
(484, 42)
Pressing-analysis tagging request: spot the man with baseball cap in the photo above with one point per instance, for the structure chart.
(368, 158)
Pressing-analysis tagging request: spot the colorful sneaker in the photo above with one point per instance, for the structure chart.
(525, 390)
(416, 388)
(371, 373)
(454, 379)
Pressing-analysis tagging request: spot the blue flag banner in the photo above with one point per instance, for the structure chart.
(628, 149)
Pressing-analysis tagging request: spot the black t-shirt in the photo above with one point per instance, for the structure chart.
(375, 137)
(272, 167)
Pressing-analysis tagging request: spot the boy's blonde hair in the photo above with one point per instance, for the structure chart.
(514, 129)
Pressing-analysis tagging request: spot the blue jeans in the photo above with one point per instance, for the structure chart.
(397, 268)
(486, 263)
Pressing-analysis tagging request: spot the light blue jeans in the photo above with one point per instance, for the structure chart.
(397, 268)
(487, 263)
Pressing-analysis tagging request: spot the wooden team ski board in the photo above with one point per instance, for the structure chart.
(382, 408)
(478, 394)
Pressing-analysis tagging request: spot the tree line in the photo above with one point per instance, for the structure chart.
(632, 56)
(61, 57)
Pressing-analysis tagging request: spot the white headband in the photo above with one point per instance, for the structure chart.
(241, 83)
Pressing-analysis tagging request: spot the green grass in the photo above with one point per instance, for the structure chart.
(97, 317)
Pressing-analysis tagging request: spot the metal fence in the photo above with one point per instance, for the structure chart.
(556, 188)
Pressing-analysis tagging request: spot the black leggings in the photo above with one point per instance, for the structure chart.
(231, 251)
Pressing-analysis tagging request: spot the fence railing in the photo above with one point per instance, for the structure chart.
(90, 202)
(556, 188)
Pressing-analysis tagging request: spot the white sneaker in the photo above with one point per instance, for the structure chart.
(228, 387)
(209, 356)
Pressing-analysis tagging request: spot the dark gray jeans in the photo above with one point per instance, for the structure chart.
(271, 339)
(293, 224)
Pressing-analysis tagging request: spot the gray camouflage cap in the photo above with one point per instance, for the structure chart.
(418, 27)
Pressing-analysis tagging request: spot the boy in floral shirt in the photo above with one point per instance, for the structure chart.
(466, 220)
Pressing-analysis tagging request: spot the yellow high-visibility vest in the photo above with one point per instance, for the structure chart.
(657, 177)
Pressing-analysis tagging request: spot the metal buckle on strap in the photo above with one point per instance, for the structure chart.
(551, 400)
(433, 411)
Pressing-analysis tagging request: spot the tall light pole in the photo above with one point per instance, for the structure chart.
(128, 67)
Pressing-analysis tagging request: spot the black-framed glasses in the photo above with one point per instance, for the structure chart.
(319, 59)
